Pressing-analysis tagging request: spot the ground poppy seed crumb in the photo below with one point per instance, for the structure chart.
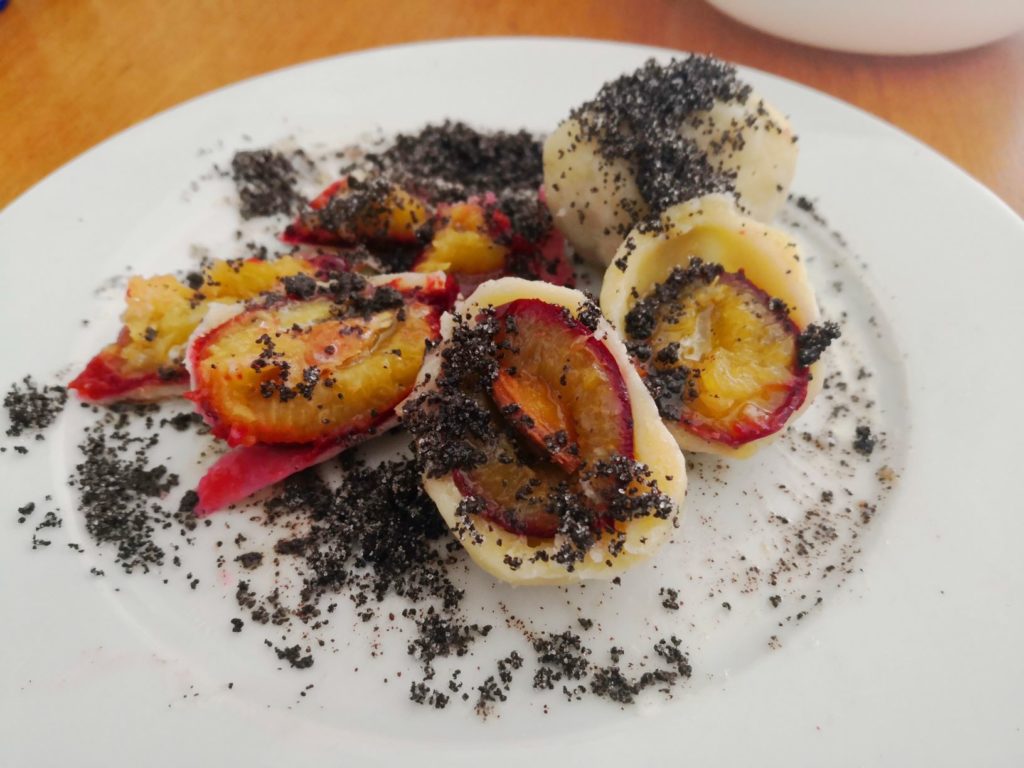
(183, 421)
(265, 183)
(250, 560)
(188, 502)
(637, 118)
(671, 598)
(32, 408)
(120, 492)
(864, 442)
(294, 656)
(421, 693)
(814, 340)
(451, 162)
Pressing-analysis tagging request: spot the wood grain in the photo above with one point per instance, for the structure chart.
(73, 72)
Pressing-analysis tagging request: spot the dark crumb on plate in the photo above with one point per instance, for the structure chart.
(421, 693)
(814, 340)
(32, 408)
(670, 598)
(562, 657)
(250, 560)
(451, 162)
(295, 657)
(864, 442)
(188, 503)
(183, 421)
(25, 511)
(375, 534)
(265, 181)
(438, 635)
(566, 663)
(120, 491)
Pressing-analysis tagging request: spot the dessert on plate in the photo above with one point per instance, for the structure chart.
(719, 314)
(549, 428)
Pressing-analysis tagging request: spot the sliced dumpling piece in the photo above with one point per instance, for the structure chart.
(542, 448)
(721, 319)
(657, 137)
(146, 362)
(303, 371)
(291, 383)
(378, 225)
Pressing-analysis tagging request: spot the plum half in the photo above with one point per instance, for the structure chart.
(291, 383)
(296, 372)
(305, 371)
(542, 448)
(717, 309)
(146, 362)
(552, 377)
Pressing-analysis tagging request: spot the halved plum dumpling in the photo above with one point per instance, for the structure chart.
(718, 312)
(353, 211)
(146, 361)
(309, 371)
(542, 448)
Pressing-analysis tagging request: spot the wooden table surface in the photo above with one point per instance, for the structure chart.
(73, 72)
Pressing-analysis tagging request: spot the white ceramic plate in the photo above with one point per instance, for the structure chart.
(914, 660)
